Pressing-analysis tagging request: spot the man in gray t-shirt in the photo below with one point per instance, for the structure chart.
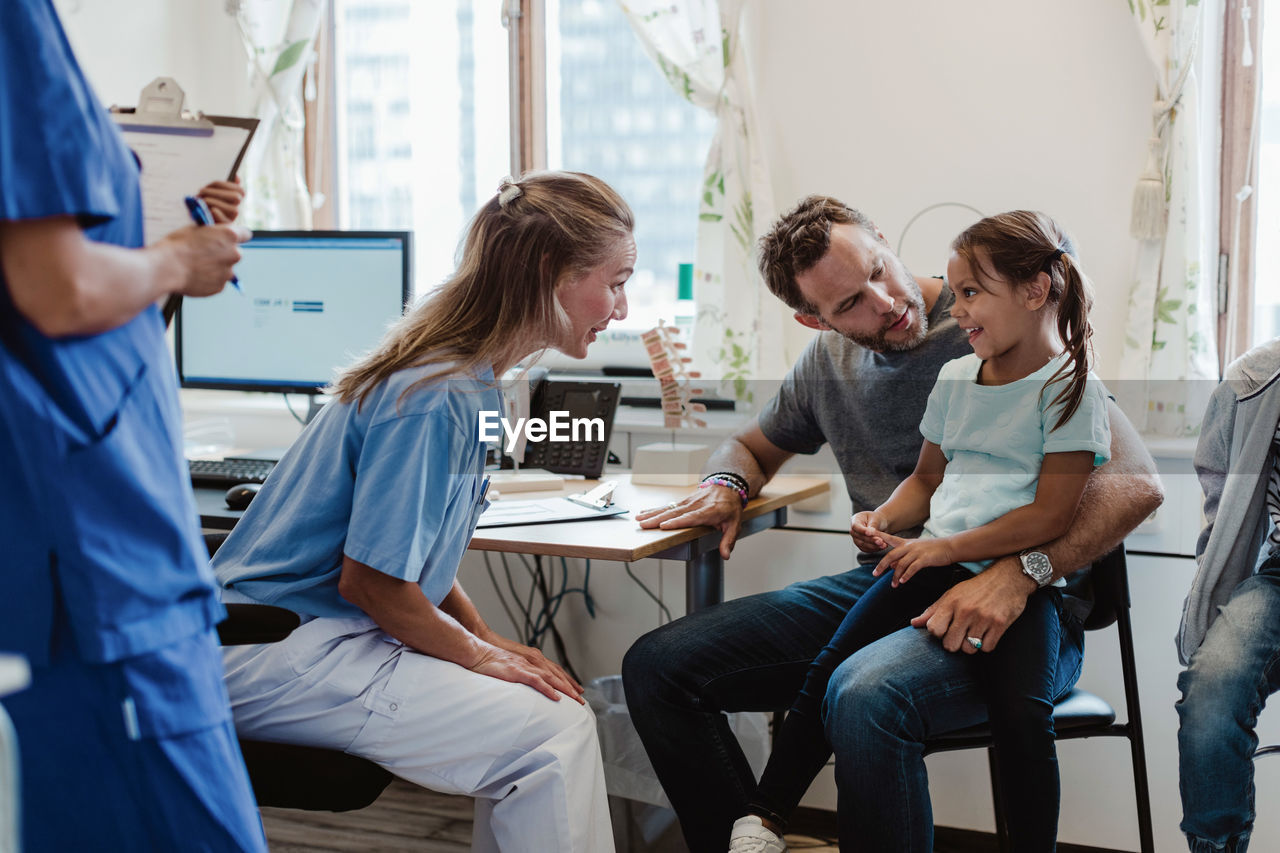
(867, 405)
(861, 385)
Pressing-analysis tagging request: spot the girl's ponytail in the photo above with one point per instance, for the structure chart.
(1018, 246)
(1075, 330)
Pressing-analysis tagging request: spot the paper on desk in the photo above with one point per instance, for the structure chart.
(176, 165)
(503, 513)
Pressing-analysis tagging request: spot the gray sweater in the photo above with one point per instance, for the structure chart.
(1233, 458)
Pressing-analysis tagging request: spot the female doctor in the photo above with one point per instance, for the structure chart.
(125, 733)
(361, 526)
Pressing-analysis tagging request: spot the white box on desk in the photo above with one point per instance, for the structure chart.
(666, 463)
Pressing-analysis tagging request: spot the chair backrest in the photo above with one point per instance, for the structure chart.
(1109, 580)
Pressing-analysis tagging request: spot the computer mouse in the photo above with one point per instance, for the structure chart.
(239, 495)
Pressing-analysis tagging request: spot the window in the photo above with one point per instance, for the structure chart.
(421, 120)
(610, 112)
(1266, 305)
(422, 126)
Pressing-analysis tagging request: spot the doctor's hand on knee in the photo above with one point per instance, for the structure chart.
(527, 665)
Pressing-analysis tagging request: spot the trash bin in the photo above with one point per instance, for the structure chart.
(629, 776)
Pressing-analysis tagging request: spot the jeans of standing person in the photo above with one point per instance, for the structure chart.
(1223, 690)
(1018, 680)
(751, 654)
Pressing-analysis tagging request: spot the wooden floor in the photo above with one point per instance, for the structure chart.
(405, 818)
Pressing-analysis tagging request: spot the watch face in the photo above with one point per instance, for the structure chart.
(1037, 565)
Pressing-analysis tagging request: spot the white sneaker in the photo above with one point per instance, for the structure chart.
(750, 835)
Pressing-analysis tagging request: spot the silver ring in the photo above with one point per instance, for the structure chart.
(672, 505)
(976, 642)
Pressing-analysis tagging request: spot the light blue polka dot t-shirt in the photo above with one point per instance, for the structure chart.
(994, 438)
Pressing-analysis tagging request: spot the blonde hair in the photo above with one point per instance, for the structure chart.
(1021, 244)
(500, 304)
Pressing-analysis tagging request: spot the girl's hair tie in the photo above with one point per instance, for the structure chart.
(507, 191)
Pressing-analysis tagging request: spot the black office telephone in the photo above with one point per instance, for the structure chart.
(580, 400)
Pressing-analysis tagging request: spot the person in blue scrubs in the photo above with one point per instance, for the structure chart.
(361, 526)
(125, 734)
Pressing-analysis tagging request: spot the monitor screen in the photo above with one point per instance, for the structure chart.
(309, 302)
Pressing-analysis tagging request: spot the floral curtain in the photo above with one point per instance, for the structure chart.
(1169, 364)
(698, 45)
(278, 36)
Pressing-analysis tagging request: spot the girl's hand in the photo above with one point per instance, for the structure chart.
(911, 555)
(865, 528)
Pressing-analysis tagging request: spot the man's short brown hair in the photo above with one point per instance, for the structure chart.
(798, 240)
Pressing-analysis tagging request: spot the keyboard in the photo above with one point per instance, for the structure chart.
(225, 473)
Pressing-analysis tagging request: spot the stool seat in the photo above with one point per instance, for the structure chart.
(1079, 709)
(307, 777)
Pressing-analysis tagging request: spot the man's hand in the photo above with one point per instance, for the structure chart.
(867, 528)
(983, 606)
(715, 506)
(223, 198)
(911, 555)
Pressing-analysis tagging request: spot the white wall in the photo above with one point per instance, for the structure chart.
(998, 104)
(124, 44)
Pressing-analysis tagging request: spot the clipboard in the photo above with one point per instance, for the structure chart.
(179, 152)
(595, 503)
(507, 513)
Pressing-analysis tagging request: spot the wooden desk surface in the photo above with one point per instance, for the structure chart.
(620, 538)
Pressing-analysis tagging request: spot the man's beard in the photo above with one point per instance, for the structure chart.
(879, 342)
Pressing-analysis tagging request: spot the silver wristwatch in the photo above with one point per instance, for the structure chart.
(1036, 566)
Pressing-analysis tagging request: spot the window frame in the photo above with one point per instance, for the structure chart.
(1241, 131)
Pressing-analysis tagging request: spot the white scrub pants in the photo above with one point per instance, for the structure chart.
(532, 764)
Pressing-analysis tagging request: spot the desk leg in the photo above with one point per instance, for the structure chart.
(704, 580)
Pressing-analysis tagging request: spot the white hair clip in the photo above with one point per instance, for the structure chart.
(507, 191)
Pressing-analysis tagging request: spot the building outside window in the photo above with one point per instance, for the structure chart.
(422, 128)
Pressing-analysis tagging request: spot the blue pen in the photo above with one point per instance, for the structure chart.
(201, 215)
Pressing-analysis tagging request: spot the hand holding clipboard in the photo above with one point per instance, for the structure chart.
(180, 154)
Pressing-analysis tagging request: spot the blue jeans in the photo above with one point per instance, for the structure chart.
(1223, 690)
(752, 654)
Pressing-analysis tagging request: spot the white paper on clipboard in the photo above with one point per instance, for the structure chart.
(179, 153)
(177, 164)
(504, 513)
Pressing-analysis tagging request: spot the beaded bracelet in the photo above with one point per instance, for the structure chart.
(728, 484)
(739, 481)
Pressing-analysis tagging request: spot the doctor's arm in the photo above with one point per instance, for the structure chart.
(66, 284)
(453, 631)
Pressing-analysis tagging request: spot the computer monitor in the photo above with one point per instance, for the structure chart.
(310, 302)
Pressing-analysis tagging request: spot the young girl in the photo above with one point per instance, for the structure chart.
(361, 527)
(1012, 433)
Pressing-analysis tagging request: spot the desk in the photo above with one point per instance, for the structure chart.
(618, 539)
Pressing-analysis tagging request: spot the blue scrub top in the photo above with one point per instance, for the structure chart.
(395, 483)
(96, 512)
